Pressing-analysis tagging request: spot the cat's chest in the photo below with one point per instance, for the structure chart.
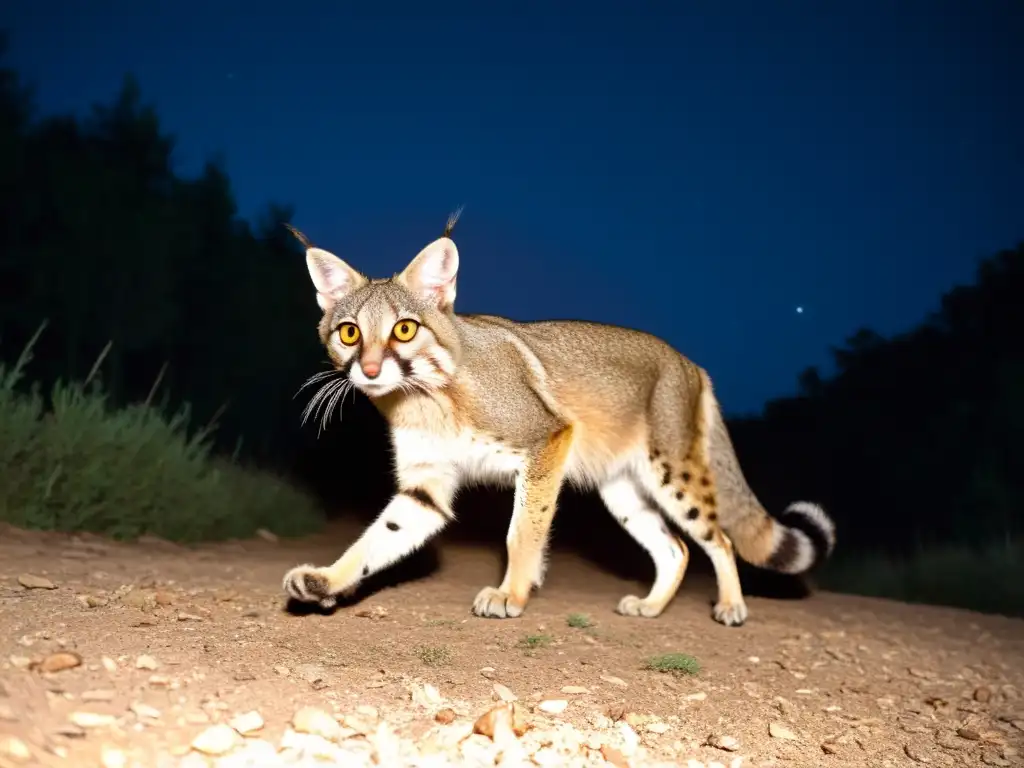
(473, 456)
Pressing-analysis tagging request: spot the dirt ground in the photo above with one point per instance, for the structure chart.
(177, 642)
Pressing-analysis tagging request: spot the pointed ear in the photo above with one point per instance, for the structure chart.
(333, 278)
(432, 273)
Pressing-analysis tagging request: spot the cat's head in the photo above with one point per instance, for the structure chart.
(394, 334)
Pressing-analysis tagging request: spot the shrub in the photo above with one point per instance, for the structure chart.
(73, 462)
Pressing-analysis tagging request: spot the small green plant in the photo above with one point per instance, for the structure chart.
(676, 663)
(579, 621)
(434, 655)
(531, 643)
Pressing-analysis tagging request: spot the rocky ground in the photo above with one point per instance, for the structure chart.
(152, 654)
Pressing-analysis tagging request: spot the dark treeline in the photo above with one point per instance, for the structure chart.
(910, 443)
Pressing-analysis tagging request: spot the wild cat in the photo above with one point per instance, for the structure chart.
(535, 405)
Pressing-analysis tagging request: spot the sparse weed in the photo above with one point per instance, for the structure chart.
(676, 663)
(579, 621)
(531, 643)
(434, 655)
(73, 462)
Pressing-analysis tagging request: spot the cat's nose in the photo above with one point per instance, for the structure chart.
(370, 368)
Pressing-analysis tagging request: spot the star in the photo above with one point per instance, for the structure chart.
(799, 310)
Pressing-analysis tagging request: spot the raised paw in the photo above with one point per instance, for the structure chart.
(309, 584)
(730, 614)
(492, 603)
(631, 605)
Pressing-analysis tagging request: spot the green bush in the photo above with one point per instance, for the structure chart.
(73, 462)
(989, 579)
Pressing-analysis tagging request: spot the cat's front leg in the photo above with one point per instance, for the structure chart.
(415, 513)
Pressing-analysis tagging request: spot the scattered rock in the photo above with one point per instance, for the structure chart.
(183, 616)
(247, 722)
(215, 740)
(372, 612)
(243, 675)
(503, 693)
(109, 664)
(698, 696)
(445, 716)
(779, 731)
(489, 672)
(163, 598)
(92, 719)
(58, 662)
(99, 695)
(614, 756)
(112, 757)
(141, 709)
(266, 535)
(501, 721)
(968, 733)
(657, 727)
(982, 694)
(15, 748)
(315, 721)
(916, 754)
(553, 706)
(136, 599)
(146, 662)
(727, 743)
(575, 689)
(31, 581)
(93, 601)
(615, 681)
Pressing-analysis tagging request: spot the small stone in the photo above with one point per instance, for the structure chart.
(372, 612)
(20, 662)
(266, 535)
(614, 756)
(183, 616)
(657, 727)
(282, 671)
(916, 754)
(830, 748)
(31, 581)
(164, 598)
(779, 731)
(159, 681)
(69, 731)
(445, 716)
(553, 706)
(489, 672)
(698, 696)
(7, 714)
(99, 695)
(574, 689)
(109, 664)
(58, 662)
(247, 722)
(146, 662)
(504, 693)
(215, 740)
(93, 601)
(615, 681)
(15, 748)
(727, 743)
(243, 675)
(982, 694)
(315, 721)
(968, 733)
(136, 599)
(92, 719)
(112, 757)
(141, 709)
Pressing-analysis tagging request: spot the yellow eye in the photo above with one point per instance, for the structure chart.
(405, 330)
(349, 333)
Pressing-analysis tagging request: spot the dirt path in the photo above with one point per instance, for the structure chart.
(829, 681)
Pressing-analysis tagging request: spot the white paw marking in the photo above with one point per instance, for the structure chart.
(631, 605)
(492, 603)
(730, 614)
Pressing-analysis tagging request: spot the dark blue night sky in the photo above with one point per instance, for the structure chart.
(697, 170)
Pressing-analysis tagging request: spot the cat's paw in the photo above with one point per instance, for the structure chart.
(492, 603)
(309, 584)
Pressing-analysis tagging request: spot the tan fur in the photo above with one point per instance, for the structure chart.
(483, 398)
